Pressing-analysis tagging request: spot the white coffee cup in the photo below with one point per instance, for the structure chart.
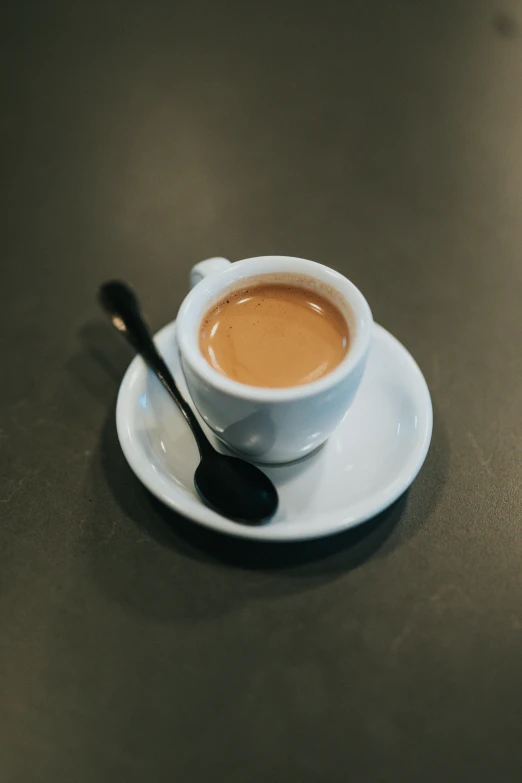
(270, 425)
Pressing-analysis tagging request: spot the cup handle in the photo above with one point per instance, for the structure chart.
(206, 268)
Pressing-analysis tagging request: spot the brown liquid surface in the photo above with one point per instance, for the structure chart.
(274, 335)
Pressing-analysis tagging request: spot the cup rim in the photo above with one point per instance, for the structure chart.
(212, 285)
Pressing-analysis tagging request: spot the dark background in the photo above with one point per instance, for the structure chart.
(383, 139)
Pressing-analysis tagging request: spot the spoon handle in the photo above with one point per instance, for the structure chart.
(121, 305)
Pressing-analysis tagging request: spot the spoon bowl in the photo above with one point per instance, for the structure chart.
(243, 489)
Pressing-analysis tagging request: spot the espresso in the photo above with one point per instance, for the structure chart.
(274, 335)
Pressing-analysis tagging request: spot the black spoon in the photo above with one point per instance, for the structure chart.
(229, 485)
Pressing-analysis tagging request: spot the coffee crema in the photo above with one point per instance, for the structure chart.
(274, 335)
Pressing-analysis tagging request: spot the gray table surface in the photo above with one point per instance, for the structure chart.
(383, 139)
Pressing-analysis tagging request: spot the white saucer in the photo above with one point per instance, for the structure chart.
(369, 461)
